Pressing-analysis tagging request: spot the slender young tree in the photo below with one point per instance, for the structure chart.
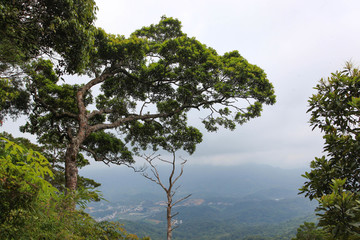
(148, 84)
(170, 188)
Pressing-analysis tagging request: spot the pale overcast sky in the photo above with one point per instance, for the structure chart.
(295, 42)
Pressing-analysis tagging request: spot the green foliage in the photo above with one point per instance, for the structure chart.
(309, 231)
(32, 28)
(22, 179)
(53, 221)
(335, 110)
(339, 212)
(149, 82)
(13, 100)
(31, 208)
(322, 172)
(55, 155)
(106, 144)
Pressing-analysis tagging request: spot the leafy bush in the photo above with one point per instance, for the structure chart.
(31, 208)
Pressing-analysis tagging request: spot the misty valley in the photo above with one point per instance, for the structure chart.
(246, 201)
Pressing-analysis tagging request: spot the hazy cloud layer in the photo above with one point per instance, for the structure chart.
(295, 42)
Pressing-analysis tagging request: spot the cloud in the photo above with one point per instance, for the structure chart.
(295, 42)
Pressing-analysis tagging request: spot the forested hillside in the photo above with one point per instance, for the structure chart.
(246, 201)
(222, 230)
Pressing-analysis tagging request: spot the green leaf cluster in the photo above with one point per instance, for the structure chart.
(22, 176)
(339, 212)
(309, 231)
(335, 110)
(13, 100)
(334, 179)
(31, 208)
(60, 30)
(55, 155)
(33, 28)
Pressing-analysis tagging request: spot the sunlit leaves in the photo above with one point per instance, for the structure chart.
(22, 178)
(31, 208)
(339, 212)
(31, 165)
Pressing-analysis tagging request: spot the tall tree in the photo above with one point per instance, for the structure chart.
(149, 82)
(334, 180)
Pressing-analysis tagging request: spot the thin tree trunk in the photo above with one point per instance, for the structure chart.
(169, 224)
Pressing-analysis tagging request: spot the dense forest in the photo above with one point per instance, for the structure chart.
(220, 230)
(134, 95)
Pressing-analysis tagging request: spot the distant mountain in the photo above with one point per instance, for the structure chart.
(257, 181)
(237, 202)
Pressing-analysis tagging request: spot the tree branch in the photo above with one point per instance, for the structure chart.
(180, 200)
(107, 160)
(52, 110)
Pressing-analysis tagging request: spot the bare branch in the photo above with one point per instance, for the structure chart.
(169, 190)
(157, 180)
(182, 199)
(142, 107)
(177, 213)
(165, 161)
(175, 227)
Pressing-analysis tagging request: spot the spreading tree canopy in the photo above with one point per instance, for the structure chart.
(60, 30)
(57, 28)
(142, 86)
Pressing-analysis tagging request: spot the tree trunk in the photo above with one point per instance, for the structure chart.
(72, 151)
(169, 224)
(71, 170)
